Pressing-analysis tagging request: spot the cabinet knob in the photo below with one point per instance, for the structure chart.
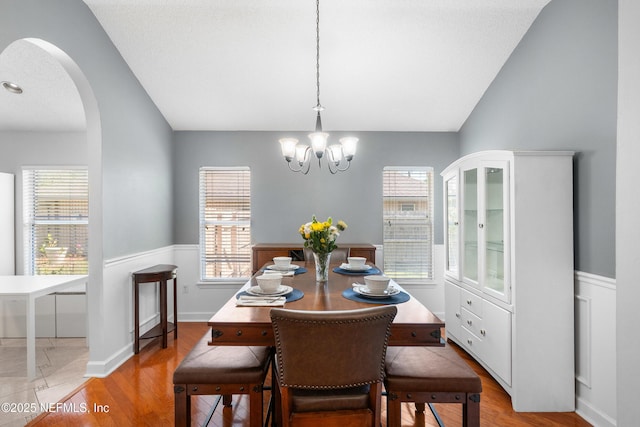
(458, 315)
(469, 322)
(469, 341)
(480, 225)
(483, 332)
(469, 302)
(456, 223)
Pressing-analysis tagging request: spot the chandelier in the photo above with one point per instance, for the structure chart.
(298, 156)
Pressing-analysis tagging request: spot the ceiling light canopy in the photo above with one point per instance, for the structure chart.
(298, 156)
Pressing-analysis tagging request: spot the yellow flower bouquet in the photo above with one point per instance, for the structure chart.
(321, 237)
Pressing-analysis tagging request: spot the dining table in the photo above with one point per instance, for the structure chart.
(250, 325)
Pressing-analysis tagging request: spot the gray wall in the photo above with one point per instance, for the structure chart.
(558, 92)
(283, 200)
(136, 140)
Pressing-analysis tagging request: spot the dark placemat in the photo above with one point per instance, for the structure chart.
(371, 271)
(294, 295)
(296, 271)
(394, 299)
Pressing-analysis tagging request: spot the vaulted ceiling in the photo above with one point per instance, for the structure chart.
(385, 65)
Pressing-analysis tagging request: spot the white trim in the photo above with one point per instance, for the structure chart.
(195, 317)
(595, 390)
(592, 415)
(593, 279)
(223, 284)
(585, 376)
(102, 369)
(54, 167)
(133, 257)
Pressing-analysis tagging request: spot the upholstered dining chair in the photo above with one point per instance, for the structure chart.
(330, 365)
(338, 255)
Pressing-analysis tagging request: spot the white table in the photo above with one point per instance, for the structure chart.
(29, 288)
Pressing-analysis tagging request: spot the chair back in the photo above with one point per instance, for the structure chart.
(331, 349)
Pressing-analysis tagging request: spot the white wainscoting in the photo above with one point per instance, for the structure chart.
(595, 314)
(117, 295)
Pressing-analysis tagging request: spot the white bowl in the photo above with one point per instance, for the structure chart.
(269, 283)
(356, 261)
(282, 261)
(377, 284)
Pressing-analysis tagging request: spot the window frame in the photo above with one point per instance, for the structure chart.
(30, 220)
(429, 199)
(203, 223)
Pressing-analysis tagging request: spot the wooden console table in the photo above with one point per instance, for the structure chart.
(160, 273)
(265, 252)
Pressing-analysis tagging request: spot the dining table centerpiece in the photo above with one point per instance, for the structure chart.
(320, 237)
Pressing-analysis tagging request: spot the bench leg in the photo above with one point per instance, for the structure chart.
(471, 411)
(255, 405)
(226, 399)
(182, 406)
(394, 411)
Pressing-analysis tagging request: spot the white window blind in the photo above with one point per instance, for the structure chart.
(56, 220)
(225, 223)
(408, 226)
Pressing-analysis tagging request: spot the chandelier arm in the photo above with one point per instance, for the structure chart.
(292, 168)
(343, 169)
(333, 169)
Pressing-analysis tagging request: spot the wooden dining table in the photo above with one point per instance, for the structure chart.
(414, 324)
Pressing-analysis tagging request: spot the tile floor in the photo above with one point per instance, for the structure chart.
(61, 365)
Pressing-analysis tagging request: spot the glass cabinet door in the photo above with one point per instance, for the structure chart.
(452, 266)
(470, 226)
(494, 229)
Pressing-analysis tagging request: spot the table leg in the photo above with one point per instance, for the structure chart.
(163, 312)
(136, 318)
(175, 308)
(31, 338)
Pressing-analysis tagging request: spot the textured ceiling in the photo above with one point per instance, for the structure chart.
(385, 65)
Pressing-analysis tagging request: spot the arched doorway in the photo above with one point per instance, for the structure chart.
(56, 92)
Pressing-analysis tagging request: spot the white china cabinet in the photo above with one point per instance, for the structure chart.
(509, 271)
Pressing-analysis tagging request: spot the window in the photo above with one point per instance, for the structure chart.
(56, 220)
(408, 227)
(225, 224)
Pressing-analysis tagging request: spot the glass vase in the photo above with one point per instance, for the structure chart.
(322, 266)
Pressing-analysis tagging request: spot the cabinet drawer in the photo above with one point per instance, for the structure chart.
(471, 302)
(471, 342)
(471, 322)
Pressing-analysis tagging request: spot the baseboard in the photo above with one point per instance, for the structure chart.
(102, 369)
(194, 317)
(592, 415)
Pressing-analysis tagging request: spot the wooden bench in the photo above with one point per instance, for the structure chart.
(221, 370)
(430, 375)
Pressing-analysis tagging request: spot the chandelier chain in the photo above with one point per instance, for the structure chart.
(338, 156)
(318, 105)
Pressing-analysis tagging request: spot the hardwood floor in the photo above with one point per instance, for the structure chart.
(140, 393)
